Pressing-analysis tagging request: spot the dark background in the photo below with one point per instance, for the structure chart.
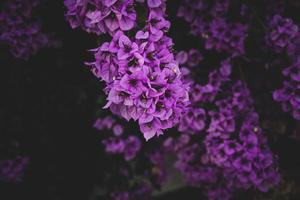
(48, 106)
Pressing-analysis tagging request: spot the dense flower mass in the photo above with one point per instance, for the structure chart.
(235, 154)
(223, 36)
(242, 150)
(282, 32)
(13, 170)
(210, 23)
(143, 79)
(98, 16)
(284, 37)
(289, 94)
(20, 31)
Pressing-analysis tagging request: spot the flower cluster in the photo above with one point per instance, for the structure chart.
(101, 16)
(282, 32)
(20, 31)
(193, 120)
(284, 37)
(209, 22)
(224, 36)
(13, 170)
(289, 94)
(235, 154)
(242, 150)
(117, 143)
(189, 59)
(142, 77)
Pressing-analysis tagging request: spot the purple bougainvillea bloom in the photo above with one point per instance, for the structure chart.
(101, 17)
(105, 123)
(282, 32)
(194, 121)
(133, 146)
(118, 130)
(142, 77)
(126, 47)
(109, 3)
(114, 145)
(117, 142)
(133, 83)
(182, 57)
(288, 95)
(140, 35)
(209, 22)
(194, 57)
(154, 3)
(150, 129)
(126, 16)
